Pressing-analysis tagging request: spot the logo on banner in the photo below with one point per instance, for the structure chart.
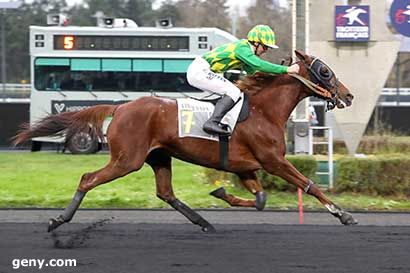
(400, 16)
(352, 23)
(59, 107)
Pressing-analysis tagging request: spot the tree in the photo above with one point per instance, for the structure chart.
(216, 14)
(269, 13)
(17, 35)
(138, 10)
(111, 8)
(168, 10)
(194, 13)
(80, 15)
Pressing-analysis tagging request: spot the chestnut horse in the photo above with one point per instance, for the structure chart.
(146, 130)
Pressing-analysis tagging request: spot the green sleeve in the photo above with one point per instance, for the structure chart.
(245, 54)
(249, 70)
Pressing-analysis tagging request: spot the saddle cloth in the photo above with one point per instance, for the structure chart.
(192, 114)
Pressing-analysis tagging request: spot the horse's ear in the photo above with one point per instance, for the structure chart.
(301, 55)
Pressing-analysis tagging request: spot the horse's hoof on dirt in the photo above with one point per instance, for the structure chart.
(260, 200)
(347, 219)
(54, 223)
(218, 193)
(209, 229)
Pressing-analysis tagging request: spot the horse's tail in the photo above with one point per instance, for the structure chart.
(68, 123)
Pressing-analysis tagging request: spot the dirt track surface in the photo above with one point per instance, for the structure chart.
(111, 245)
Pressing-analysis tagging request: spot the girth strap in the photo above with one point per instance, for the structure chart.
(223, 152)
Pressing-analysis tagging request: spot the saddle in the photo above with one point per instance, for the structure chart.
(224, 140)
(244, 113)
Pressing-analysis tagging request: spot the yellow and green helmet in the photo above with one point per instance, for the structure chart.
(262, 34)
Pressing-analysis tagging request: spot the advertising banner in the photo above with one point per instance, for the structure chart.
(400, 16)
(60, 106)
(352, 23)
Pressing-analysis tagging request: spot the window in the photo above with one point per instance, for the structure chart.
(95, 74)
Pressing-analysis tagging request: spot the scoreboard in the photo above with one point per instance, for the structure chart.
(121, 43)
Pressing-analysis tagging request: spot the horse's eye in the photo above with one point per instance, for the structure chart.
(324, 72)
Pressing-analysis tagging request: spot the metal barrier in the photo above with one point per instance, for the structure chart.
(14, 91)
(388, 97)
(402, 91)
(329, 143)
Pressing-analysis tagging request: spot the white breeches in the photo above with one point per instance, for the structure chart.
(199, 75)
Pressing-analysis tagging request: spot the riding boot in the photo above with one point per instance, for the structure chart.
(212, 125)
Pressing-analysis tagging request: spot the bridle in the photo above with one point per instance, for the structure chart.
(321, 75)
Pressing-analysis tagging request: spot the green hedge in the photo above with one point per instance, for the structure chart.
(382, 175)
(307, 165)
(384, 144)
(372, 145)
(376, 175)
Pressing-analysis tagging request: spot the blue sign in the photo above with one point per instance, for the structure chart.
(352, 23)
(400, 16)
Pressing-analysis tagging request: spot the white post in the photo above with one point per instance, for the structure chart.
(330, 156)
(307, 25)
(3, 53)
(307, 37)
(293, 28)
(234, 21)
(310, 141)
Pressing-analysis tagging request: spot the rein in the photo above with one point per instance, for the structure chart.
(315, 88)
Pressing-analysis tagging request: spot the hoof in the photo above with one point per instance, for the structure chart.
(218, 193)
(347, 219)
(54, 223)
(260, 200)
(209, 229)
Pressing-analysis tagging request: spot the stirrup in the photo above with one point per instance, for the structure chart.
(215, 129)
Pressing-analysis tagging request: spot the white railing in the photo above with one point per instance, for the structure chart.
(329, 143)
(387, 93)
(394, 97)
(404, 91)
(14, 90)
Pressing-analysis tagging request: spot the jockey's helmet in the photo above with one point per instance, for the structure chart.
(262, 34)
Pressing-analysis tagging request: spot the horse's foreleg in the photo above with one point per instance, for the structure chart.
(252, 184)
(192, 216)
(161, 164)
(68, 213)
(89, 181)
(288, 172)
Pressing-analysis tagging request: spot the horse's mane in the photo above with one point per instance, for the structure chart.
(251, 85)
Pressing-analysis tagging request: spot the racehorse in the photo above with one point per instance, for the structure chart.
(146, 130)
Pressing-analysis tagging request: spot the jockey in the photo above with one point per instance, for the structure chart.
(243, 55)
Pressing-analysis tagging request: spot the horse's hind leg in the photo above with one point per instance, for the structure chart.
(288, 172)
(117, 167)
(161, 164)
(252, 184)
